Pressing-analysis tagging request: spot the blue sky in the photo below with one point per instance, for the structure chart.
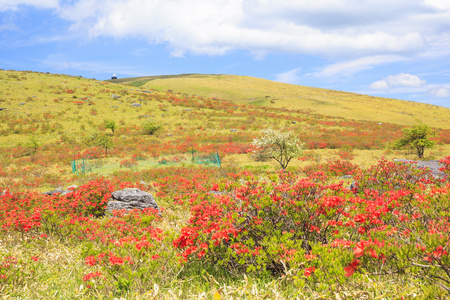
(390, 48)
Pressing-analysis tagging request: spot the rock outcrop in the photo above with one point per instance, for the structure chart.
(131, 198)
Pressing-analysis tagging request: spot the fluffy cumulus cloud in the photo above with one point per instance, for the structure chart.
(399, 80)
(327, 27)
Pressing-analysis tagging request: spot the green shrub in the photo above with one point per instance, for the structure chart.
(150, 127)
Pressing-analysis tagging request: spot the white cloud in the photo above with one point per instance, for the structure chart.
(8, 25)
(441, 4)
(340, 28)
(15, 4)
(399, 80)
(379, 85)
(350, 67)
(439, 92)
(213, 27)
(404, 80)
(290, 76)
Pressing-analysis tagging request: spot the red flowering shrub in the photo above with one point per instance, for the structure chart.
(396, 223)
(334, 167)
(446, 167)
(388, 176)
(260, 224)
(91, 198)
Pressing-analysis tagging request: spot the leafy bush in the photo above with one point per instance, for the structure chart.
(150, 127)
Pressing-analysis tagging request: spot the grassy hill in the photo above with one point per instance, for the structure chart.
(243, 229)
(66, 114)
(257, 91)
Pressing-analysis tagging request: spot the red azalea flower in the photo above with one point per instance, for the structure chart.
(351, 268)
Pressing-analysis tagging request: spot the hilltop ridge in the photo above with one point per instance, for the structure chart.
(263, 92)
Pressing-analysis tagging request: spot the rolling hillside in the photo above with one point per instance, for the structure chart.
(261, 92)
(236, 227)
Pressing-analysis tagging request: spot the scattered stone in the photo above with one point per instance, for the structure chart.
(346, 177)
(51, 193)
(136, 104)
(115, 96)
(131, 198)
(293, 122)
(216, 193)
(2, 108)
(233, 129)
(60, 191)
(22, 103)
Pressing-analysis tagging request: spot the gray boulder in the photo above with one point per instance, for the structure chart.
(131, 198)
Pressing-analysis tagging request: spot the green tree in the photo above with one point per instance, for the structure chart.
(103, 140)
(33, 143)
(111, 124)
(282, 146)
(416, 137)
(150, 127)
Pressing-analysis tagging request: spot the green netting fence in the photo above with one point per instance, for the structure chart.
(206, 158)
(82, 166)
(110, 165)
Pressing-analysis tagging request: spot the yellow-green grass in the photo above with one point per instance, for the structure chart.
(362, 158)
(59, 268)
(31, 96)
(257, 91)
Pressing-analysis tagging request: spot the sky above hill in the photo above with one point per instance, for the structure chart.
(390, 48)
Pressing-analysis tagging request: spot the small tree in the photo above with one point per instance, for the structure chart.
(111, 124)
(282, 146)
(150, 127)
(417, 137)
(33, 143)
(104, 141)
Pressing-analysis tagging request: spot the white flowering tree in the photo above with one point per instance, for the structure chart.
(282, 146)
